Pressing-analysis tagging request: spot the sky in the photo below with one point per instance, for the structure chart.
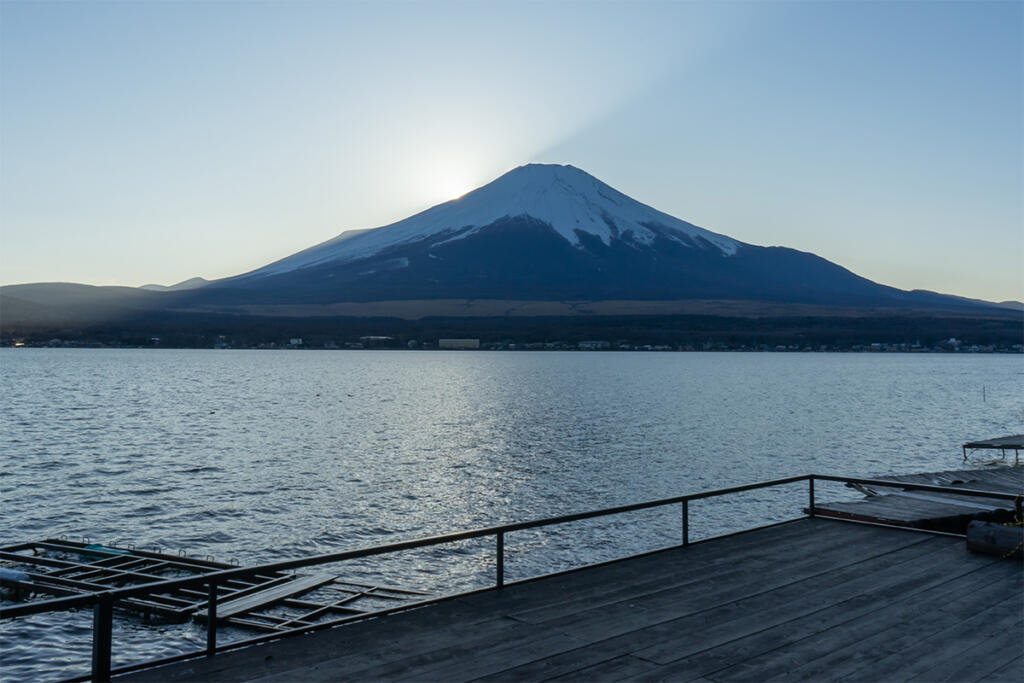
(151, 142)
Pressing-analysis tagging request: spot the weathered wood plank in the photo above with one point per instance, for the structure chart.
(617, 669)
(230, 608)
(1011, 672)
(563, 663)
(460, 665)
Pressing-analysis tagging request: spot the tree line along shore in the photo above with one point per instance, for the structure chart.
(938, 334)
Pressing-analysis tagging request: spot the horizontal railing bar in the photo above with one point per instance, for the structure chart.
(643, 506)
(227, 574)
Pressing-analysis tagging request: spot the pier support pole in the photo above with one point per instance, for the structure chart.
(686, 522)
(211, 620)
(810, 496)
(501, 559)
(102, 636)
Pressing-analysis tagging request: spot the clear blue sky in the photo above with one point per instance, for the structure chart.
(155, 141)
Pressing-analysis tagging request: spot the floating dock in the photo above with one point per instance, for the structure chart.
(936, 511)
(814, 599)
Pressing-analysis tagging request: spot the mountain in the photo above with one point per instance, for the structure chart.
(552, 233)
(540, 241)
(191, 283)
(57, 304)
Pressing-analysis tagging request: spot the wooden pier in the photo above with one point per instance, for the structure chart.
(813, 599)
(929, 510)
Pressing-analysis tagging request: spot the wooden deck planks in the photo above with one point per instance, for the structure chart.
(855, 620)
(808, 600)
(745, 561)
(815, 559)
(577, 659)
(984, 657)
(949, 635)
(847, 648)
(1011, 672)
(642, 575)
(616, 669)
(862, 594)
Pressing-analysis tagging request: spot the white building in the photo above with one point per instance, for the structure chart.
(458, 343)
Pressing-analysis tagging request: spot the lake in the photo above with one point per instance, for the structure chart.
(262, 455)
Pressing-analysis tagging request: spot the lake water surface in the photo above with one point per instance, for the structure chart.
(260, 455)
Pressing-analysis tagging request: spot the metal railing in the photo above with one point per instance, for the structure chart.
(103, 602)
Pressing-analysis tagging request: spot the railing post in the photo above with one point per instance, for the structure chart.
(501, 559)
(211, 620)
(810, 495)
(102, 635)
(686, 522)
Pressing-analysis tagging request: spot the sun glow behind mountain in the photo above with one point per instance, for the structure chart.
(449, 180)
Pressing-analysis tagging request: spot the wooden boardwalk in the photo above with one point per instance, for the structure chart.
(937, 511)
(815, 599)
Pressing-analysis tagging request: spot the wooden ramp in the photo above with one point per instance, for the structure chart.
(815, 599)
(937, 511)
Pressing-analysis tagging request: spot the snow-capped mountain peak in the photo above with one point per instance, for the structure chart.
(571, 201)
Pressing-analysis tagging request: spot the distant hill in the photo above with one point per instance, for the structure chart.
(61, 304)
(191, 283)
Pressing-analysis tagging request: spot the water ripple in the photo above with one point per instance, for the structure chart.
(262, 455)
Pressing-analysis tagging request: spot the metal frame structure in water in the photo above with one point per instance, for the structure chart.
(66, 568)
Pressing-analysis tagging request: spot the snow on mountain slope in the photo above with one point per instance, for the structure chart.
(564, 197)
